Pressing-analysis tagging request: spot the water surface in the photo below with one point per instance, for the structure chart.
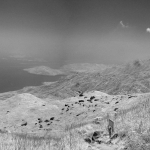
(13, 77)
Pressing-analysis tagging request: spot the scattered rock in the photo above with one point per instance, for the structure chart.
(78, 114)
(96, 99)
(89, 100)
(115, 109)
(52, 118)
(96, 135)
(88, 140)
(46, 120)
(40, 121)
(81, 94)
(92, 97)
(98, 141)
(24, 124)
(81, 100)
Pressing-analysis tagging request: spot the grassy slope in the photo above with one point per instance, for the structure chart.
(133, 122)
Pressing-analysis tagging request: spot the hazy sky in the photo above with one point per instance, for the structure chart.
(68, 31)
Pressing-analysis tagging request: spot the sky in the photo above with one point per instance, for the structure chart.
(76, 31)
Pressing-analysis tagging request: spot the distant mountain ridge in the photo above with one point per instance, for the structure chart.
(133, 77)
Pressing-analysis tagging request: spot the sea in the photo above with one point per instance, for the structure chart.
(13, 77)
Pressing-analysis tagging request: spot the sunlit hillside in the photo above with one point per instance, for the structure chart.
(126, 79)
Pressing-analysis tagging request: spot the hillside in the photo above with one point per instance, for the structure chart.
(130, 78)
(83, 117)
(41, 114)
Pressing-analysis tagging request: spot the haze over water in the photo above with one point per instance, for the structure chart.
(13, 77)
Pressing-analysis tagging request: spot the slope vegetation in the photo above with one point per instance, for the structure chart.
(131, 78)
(81, 120)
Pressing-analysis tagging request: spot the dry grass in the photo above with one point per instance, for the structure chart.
(24, 142)
(71, 140)
(135, 123)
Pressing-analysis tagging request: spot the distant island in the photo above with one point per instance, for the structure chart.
(43, 70)
(78, 67)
